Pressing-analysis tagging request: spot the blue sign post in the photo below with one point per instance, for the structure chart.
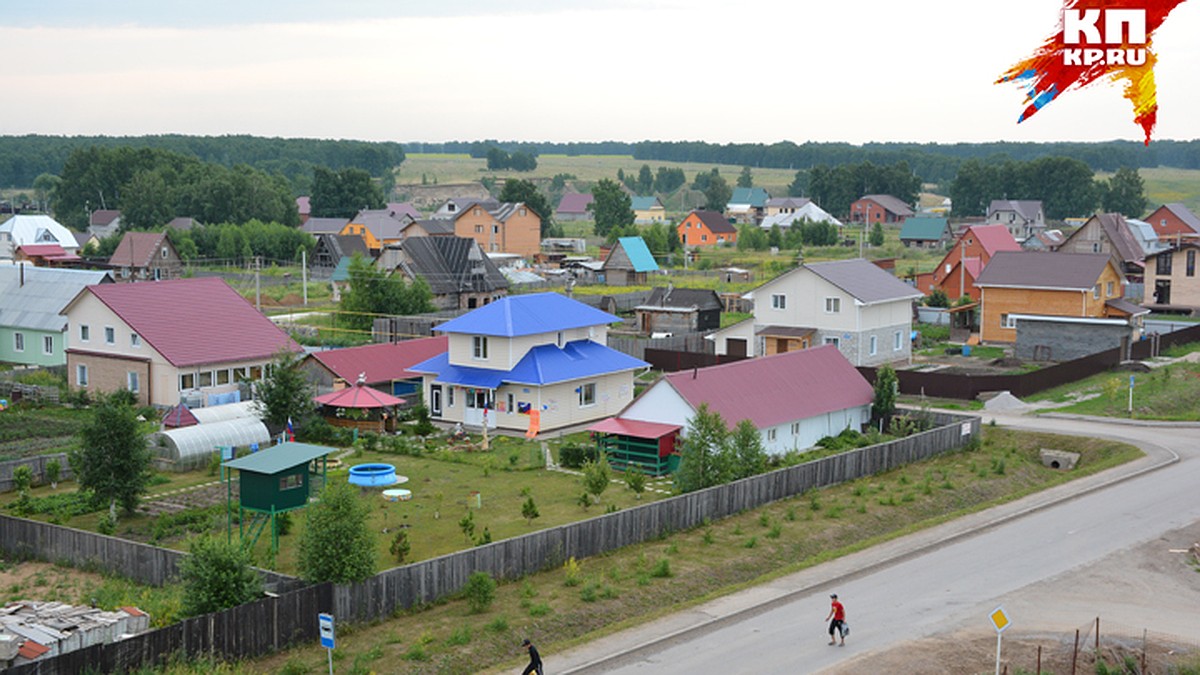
(1131, 394)
(325, 623)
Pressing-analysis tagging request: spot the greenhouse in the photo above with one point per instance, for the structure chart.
(193, 447)
(224, 413)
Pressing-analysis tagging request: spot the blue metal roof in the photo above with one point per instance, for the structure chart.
(342, 271)
(643, 203)
(544, 364)
(528, 315)
(754, 196)
(639, 254)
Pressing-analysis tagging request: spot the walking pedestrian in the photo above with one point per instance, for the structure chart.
(535, 659)
(838, 623)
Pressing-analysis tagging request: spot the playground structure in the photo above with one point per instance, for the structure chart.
(270, 482)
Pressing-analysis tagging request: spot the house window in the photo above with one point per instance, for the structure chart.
(704, 237)
(587, 394)
(187, 381)
(833, 305)
(18, 342)
(511, 405)
(223, 376)
(256, 373)
(495, 229)
(132, 382)
(795, 428)
(478, 229)
(84, 332)
(164, 252)
(897, 341)
(522, 211)
(81, 375)
(1108, 290)
(1163, 263)
(134, 340)
(240, 373)
(770, 434)
(206, 378)
(874, 345)
(479, 347)
(1096, 291)
(778, 301)
(450, 397)
(836, 342)
(48, 345)
(125, 272)
(1007, 321)
(1095, 247)
(559, 339)
(110, 335)
(1191, 263)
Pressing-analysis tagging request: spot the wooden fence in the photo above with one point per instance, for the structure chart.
(38, 466)
(274, 623)
(637, 346)
(969, 387)
(671, 361)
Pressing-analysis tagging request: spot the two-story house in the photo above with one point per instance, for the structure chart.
(459, 273)
(145, 256)
(180, 341)
(955, 275)
(705, 228)
(747, 204)
(1023, 217)
(528, 363)
(510, 227)
(884, 209)
(1111, 233)
(32, 332)
(1176, 286)
(648, 210)
(852, 304)
(1174, 220)
(25, 229)
(1033, 286)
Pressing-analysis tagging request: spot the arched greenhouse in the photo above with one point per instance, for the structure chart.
(192, 447)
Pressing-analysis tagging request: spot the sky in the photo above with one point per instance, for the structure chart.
(751, 71)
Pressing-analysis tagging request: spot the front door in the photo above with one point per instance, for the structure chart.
(481, 404)
(435, 400)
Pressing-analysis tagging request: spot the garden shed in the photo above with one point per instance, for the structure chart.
(647, 446)
(273, 481)
(193, 446)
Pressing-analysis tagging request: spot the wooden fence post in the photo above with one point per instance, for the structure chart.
(1075, 652)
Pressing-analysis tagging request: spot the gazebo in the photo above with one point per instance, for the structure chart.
(360, 407)
(273, 481)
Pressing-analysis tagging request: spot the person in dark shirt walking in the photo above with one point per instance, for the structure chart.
(838, 615)
(535, 659)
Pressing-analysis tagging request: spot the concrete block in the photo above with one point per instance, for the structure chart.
(1059, 459)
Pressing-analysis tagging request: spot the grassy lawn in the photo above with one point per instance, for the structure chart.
(569, 606)
(1166, 393)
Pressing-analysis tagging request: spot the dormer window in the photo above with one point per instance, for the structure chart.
(479, 347)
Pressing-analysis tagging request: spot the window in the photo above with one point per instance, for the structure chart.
(110, 335)
(897, 341)
(1096, 291)
(291, 482)
(522, 211)
(511, 405)
(241, 373)
(1163, 263)
(587, 394)
(836, 342)
(18, 342)
(223, 376)
(164, 252)
(256, 373)
(770, 434)
(132, 382)
(206, 378)
(1108, 291)
(559, 340)
(81, 375)
(450, 397)
(478, 229)
(874, 345)
(1191, 263)
(833, 305)
(704, 237)
(187, 381)
(779, 301)
(135, 340)
(495, 229)
(1095, 247)
(48, 345)
(1007, 321)
(84, 332)
(795, 428)
(479, 347)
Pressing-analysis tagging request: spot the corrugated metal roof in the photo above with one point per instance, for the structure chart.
(575, 203)
(544, 364)
(1034, 269)
(644, 203)
(383, 362)
(24, 229)
(636, 428)
(451, 265)
(639, 254)
(925, 228)
(774, 390)
(1026, 208)
(195, 321)
(864, 280)
(358, 396)
(891, 203)
(715, 222)
(993, 238)
(315, 226)
(752, 196)
(528, 315)
(691, 298)
(279, 458)
(137, 249)
(47, 290)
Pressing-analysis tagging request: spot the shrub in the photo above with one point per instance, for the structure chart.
(53, 472)
(596, 477)
(400, 547)
(22, 478)
(662, 569)
(636, 480)
(216, 576)
(574, 456)
(283, 523)
(529, 510)
(480, 591)
(571, 572)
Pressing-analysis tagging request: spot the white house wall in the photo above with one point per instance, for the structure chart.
(741, 331)
(662, 404)
(505, 353)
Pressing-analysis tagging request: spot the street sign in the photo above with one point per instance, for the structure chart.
(325, 621)
(999, 619)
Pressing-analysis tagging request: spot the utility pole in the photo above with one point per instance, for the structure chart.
(304, 273)
(257, 285)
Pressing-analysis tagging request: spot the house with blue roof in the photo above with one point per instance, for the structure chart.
(648, 210)
(628, 263)
(528, 363)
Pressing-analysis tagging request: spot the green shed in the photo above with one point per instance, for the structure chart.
(273, 481)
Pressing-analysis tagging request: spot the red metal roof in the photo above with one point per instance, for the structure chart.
(179, 416)
(575, 202)
(358, 396)
(777, 389)
(195, 321)
(994, 238)
(32, 650)
(46, 251)
(616, 425)
(382, 362)
(137, 249)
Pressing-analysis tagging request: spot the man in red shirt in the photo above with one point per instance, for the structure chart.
(838, 614)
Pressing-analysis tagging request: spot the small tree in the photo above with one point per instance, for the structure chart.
(636, 480)
(702, 461)
(746, 446)
(529, 510)
(876, 238)
(400, 547)
(886, 385)
(596, 476)
(480, 591)
(467, 525)
(22, 478)
(284, 393)
(113, 461)
(216, 576)
(337, 544)
(937, 298)
(53, 473)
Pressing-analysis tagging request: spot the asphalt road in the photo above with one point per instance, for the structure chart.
(947, 582)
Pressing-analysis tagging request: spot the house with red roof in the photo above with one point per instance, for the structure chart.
(384, 366)
(145, 256)
(45, 255)
(884, 209)
(574, 206)
(183, 340)
(955, 275)
(1173, 220)
(794, 399)
(706, 228)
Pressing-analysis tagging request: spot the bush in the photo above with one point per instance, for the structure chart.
(400, 547)
(216, 576)
(574, 456)
(480, 591)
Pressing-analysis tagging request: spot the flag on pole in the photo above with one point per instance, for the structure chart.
(291, 433)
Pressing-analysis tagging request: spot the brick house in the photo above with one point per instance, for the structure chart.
(705, 228)
(145, 256)
(1170, 220)
(884, 209)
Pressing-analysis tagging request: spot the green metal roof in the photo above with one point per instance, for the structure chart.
(279, 458)
(929, 229)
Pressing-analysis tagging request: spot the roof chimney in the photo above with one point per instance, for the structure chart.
(22, 274)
